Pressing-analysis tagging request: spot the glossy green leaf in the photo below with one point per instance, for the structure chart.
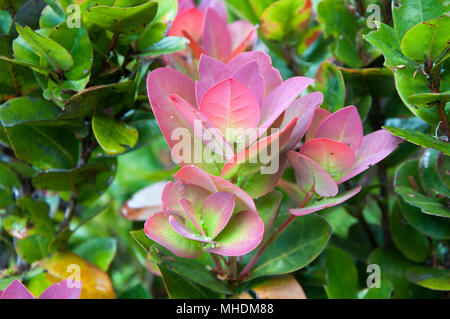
(428, 172)
(407, 13)
(28, 110)
(428, 99)
(33, 248)
(267, 207)
(432, 226)
(412, 244)
(295, 248)
(427, 41)
(330, 82)
(53, 53)
(383, 292)
(341, 23)
(77, 43)
(120, 20)
(166, 45)
(191, 270)
(178, 287)
(16, 226)
(407, 184)
(420, 139)
(99, 251)
(96, 98)
(341, 274)
(68, 180)
(113, 136)
(432, 278)
(44, 147)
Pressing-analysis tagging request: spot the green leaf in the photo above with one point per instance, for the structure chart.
(8, 182)
(341, 274)
(165, 46)
(407, 13)
(295, 248)
(178, 287)
(190, 269)
(427, 41)
(267, 207)
(38, 216)
(68, 180)
(407, 185)
(16, 226)
(136, 292)
(428, 99)
(384, 38)
(44, 147)
(75, 41)
(420, 139)
(432, 278)
(285, 19)
(50, 18)
(97, 98)
(53, 53)
(341, 23)
(119, 20)
(393, 266)
(112, 136)
(244, 10)
(383, 292)
(153, 33)
(33, 248)
(330, 81)
(411, 243)
(141, 238)
(432, 226)
(428, 172)
(28, 110)
(99, 251)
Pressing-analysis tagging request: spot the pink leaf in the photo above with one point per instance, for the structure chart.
(216, 212)
(158, 229)
(311, 177)
(162, 83)
(280, 99)
(66, 289)
(230, 105)
(211, 72)
(184, 5)
(324, 203)
(173, 192)
(243, 233)
(216, 37)
(319, 115)
(303, 109)
(16, 290)
(343, 126)
(249, 75)
(271, 75)
(217, 5)
(243, 36)
(192, 213)
(334, 157)
(190, 21)
(375, 147)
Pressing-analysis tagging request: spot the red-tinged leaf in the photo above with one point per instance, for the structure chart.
(243, 233)
(191, 21)
(243, 36)
(158, 229)
(374, 148)
(281, 98)
(324, 203)
(271, 75)
(216, 37)
(16, 290)
(230, 105)
(320, 114)
(216, 212)
(249, 75)
(211, 72)
(311, 177)
(303, 109)
(343, 126)
(66, 289)
(334, 157)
